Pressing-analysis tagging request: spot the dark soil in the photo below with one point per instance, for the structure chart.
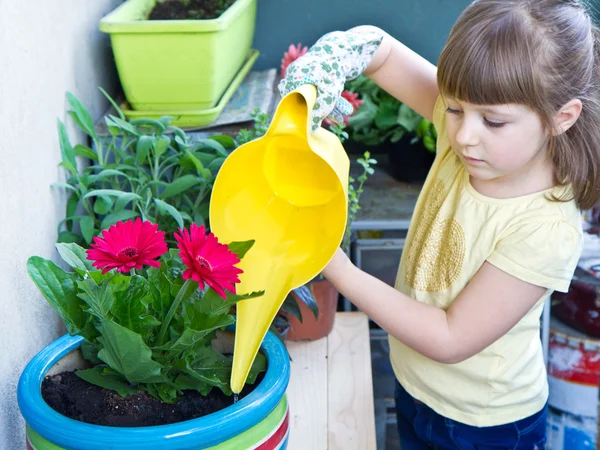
(189, 9)
(76, 398)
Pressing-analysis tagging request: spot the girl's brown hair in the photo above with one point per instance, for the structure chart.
(537, 53)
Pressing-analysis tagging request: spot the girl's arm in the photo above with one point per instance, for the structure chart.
(487, 308)
(403, 73)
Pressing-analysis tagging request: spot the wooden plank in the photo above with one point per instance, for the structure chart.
(351, 414)
(307, 395)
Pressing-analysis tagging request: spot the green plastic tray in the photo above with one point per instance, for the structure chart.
(201, 117)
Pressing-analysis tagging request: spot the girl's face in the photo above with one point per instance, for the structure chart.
(496, 142)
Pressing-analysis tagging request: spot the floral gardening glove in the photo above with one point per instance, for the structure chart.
(335, 58)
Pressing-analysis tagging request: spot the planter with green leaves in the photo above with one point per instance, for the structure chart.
(150, 372)
(179, 65)
(386, 125)
(143, 168)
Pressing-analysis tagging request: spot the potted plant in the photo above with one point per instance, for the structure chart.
(384, 122)
(145, 168)
(142, 322)
(179, 55)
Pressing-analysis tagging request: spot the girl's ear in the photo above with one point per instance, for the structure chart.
(567, 116)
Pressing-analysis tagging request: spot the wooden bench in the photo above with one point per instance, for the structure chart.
(331, 389)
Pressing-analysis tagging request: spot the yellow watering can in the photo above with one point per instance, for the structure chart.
(288, 190)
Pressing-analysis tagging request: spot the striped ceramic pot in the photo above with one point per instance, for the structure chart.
(258, 421)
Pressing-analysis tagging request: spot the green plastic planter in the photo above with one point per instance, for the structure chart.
(178, 64)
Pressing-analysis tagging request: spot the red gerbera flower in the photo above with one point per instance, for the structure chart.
(207, 260)
(290, 56)
(127, 245)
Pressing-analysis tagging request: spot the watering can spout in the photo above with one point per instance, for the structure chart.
(288, 191)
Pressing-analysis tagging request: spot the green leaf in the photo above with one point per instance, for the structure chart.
(108, 380)
(208, 366)
(149, 123)
(163, 392)
(166, 120)
(241, 248)
(364, 115)
(216, 165)
(164, 207)
(71, 208)
(75, 256)
(206, 174)
(68, 154)
(387, 116)
(123, 216)
(206, 324)
(98, 297)
(106, 174)
(214, 145)
(69, 237)
(58, 288)
(81, 115)
(226, 141)
(408, 118)
(121, 124)
(64, 186)
(113, 193)
(179, 185)
(191, 158)
(305, 294)
(125, 352)
(160, 289)
(212, 303)
(161, 145)
(142, 148)
(87, 228)
(290, 306)
(113, 103)
(259, 365)
(103, 204)
(130, 306)
(429, 143)
(89, 351)
(122, 202)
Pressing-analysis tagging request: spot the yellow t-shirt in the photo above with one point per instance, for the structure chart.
(454, 231)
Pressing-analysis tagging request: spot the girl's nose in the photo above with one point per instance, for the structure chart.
(466, 135)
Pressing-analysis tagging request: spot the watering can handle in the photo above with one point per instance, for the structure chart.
(341, 108)
(295, 110)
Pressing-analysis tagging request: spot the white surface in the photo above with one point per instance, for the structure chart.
(46, 49)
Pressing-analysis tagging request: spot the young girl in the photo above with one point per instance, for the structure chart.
(516, 103)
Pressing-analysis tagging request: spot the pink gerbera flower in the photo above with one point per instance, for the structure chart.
(207, 260)
(127, 245)
(290, 56)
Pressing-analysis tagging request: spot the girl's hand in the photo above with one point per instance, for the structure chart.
(335, 58)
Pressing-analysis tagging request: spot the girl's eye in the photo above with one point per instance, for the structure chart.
(494, 124)
(452, 111)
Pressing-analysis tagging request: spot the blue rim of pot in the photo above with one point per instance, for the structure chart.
(207, 430)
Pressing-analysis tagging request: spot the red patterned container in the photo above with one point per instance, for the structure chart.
(573, 370)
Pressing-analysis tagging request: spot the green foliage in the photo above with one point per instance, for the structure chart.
(145, 168)
(383, 118)
(150, 331)
(261, 125)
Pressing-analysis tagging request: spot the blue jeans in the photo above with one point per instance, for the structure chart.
(422, 428)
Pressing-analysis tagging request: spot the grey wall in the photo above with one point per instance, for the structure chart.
(46, 49)
(423, 25)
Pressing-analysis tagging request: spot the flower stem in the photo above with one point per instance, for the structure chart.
(185, 292)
